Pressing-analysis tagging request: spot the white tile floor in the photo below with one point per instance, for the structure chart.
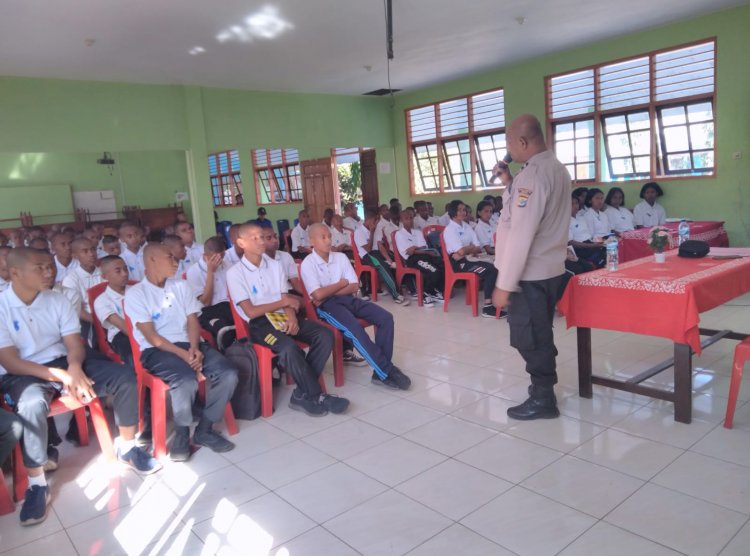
(439, 470)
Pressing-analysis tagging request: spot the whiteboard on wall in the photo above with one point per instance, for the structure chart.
(100, 204)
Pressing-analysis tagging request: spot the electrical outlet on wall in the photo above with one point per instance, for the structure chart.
(737, 155)
(180, 196)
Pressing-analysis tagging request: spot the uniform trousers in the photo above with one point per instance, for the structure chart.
(530, 315)
(221, 380)
(10, 433)
(342, 312)
(305, 369)
(32, 396)
(487, 273)
(376, 260)
(431, 269)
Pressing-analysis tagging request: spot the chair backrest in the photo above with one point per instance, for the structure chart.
(99, 332)
(310, 310)
(400, 266)
(134, 347)
(240, 326)
(287, 240)
(430, 232)
(355, 252)
(446, 257)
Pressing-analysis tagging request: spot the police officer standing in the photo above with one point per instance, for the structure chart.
(532, 236)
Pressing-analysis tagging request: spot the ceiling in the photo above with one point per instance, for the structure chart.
(324, 46)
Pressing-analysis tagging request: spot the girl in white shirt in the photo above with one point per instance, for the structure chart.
(484, 229)
(620, 218)
(595, 217)
(648, 212)
(581, 193)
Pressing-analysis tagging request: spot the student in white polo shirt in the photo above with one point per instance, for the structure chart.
(131, 249)
(62, 249)
(283, 258)
(108, 306)
(86, 275)
(208, 280)
(300, 241)
(331, 283)
(193, 250)
(341, 239)
(258, 287)
(179, 252)
(423, 218)
(351, 219)
(364, 239)
(164, 313)
(41, 355)
(412, 248)
(4, 274)
(234, 253)
(484, 228)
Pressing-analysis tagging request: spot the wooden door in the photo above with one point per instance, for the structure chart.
(369, 171)
(318, 189)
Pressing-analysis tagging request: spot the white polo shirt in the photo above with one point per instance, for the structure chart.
(485, 233)
(621, 219)
(351, 223)
(198, 274)
(182, 268)
(80, 280)
(300, 237)
(647, 215)
(107, 304)
(578, 230)
(4, 285)
(62, 270)
(257, 284)
(361, 237)
(168, 308)
(231, 256)
(445, 219)
(37, 330)
(340, 238)
(134, 262)
(194, 254)
(458, 237)
(598, 222)
(287, 264)
(421, 223)
(384, 230)
(405, 240)
(317, 273)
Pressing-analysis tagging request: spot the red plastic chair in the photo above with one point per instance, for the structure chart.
(741, 356)
(159, 390)
(427, 230)
(451, 277)
(402, 271)
(361, 269)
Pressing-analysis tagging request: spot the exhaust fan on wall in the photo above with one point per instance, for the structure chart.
(108, 161)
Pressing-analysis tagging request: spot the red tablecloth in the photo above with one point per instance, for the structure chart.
(633, 244)
(665, 300)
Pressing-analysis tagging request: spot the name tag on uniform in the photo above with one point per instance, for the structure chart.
(523, 196)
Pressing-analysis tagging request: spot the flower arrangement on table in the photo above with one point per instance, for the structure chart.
(658, 238)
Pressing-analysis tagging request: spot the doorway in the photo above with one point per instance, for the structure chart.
(356, 177)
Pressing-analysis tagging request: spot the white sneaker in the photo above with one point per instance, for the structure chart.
(428, 302)
(401, 300)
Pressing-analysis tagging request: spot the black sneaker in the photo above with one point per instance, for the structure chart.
(179, 450)
(313, 407)
(53, 456)
(145, 438)
(352, 358)
(403, 381)
(489, 312)
(34, 509)
(72, 435)
(139, 460)
(437, 296)
(213, 440)
(428, 302)
(334, 404)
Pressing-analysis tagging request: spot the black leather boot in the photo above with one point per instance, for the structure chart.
(541, 404)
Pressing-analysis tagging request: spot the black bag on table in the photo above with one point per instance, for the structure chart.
(246, 398)
(694, 249)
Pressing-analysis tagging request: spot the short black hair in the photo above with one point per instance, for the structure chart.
(214, 244)
(652, 185)
(418, 204)
(611, 194)
(394, 201)
(591, 193)
(453, 207)
(483, 204)
(578, 191)
(106, 240)
(104, 262)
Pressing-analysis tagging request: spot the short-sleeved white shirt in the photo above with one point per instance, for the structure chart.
(485, 233)
(445, 219)
(258, 284)
(405, 240)
(134, 262)
(578, 230)
(351, 223)
(621, 219)
(107, 304)
(167, 308)
(383, 232)
(62, 271)
(287, 264)
(80, 280)
(361, 237)
(598, 222)
(317, 273)
(340, 238)
(194, 254)
(421, 223)
(4, 285)
(459, 236)
(231, 256)
(198, 274)
(37, 330)
(647, 215)
(300, 237)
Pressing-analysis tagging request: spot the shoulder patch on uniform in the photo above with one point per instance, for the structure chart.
(523, 196)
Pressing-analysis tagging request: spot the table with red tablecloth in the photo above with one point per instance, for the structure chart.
(633, 244)
(664, 300)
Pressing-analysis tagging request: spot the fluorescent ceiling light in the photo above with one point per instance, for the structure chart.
(266, 23)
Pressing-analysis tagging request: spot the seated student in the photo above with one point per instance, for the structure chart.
(179, 252)
(461, 242)
(391, 223)
(258, 286)
(234, 253)
(288, 264)
(423, 218)
(18, 239)
(331, 282)
(412, 248)
(194, 250)
(62, 249)
(648, 212)
(4, 273)
(581, 193)
(352, 221)
(208, 280)
(364, 240)
(164, 313)
(39, 244)
(86, 275)
(108, 306)
(394, 202)
(620, 218)
(110, 246)
(41, 355)
(341, 239)
(445, 219)
(484, 229)
(595, 217)
(262, 221)
(327, 217)
(300, 241)
(498, 208)
(131, 250)
(580, 238)
(35, 232)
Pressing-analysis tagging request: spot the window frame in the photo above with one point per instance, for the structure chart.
(233, 175)
(652, 106)
(288, 175)
(445, 176)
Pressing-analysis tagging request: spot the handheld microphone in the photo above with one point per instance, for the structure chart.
(507, 159)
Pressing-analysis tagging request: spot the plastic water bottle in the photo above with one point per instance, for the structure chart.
(684, 231)
(612, 253)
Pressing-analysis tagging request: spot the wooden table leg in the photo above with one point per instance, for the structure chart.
(585, 389)
(683, 383)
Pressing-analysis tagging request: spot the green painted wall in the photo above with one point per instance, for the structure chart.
(723, 197)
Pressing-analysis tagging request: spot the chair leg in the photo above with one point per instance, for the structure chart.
(159, 422)
(474, 297)
(373, 284)
(230, 421)
(20, 478)
(141, 404)
(103, 435)
(734, 390)
(6, 503)
(420, 289)
(338, 359)
(83, 426)
(447, 294)
(265, 378)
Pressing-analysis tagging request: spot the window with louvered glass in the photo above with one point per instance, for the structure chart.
(277, 176)
(226, 179)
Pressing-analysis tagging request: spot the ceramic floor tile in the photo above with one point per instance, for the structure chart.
(449, 435)
(731, 445)
(508, 457)
(446, 370)
(633, 455)
(491, 412)
(419, 383)
(57, 543)
(676, 520)
(256, 437)
(462, 488)
(408, 524)
(285, 464)
(487, 380)
(347, 439)
(527, 523)
(395, 461)
(711, 409)
(587, 487)
(315, 541)
(364, 398)
(184, 541)
(446, 397)
(660, 426)
(604, 539)
(562, 434)
(400, 417)
(738, 545)
(457, 539)
(604, 411)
